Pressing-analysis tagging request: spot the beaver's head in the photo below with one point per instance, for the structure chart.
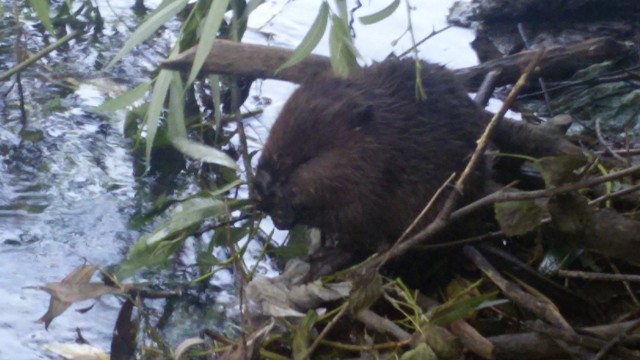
(311, 164)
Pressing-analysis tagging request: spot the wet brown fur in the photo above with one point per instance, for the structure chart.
(360, 157)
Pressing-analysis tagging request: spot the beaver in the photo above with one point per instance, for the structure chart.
(359, 157)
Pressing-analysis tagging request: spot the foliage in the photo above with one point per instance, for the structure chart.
(217, 223)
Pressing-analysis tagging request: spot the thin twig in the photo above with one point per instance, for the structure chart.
(625, 283)
(500, 196)
(542, 307)
(21, 66)
(468, 241)
(229, 222)
(23, 111)
(613, 76)
(469, 209)
(497, 118)
(417, 220)
(367, 347)
(19, 51)
(325, 331)
(433, 33)
(616, 340)
(590, 342)
(605, 144)
(595, 276)
(382, 325)
(487, 87)
(541, 81)
(606, 197)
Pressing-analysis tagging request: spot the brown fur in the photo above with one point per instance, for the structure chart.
(360, 157)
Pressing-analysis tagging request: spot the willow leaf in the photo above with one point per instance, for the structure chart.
(203, 152)
(343, 53)
(380, 15)
(209, 33)
(146, 29)
(42, 10)
(160, 89)
(311, 40)
(124, 100)
(175, 119)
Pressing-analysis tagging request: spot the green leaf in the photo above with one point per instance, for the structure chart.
(380, 15)
(251, 5)
(203, 152)
(297, 246)
(420, 352)
(367, 289)
(187, 214)
(214, 84)
(343, 13)
(558, 170)
(226, 187)
(176, 127)
(461, 309)
(311, 39)
(518, 217)
(124, 100)
(146, 29)
(571, 214)
(156, 247)
(343, 53)
(302, 335)
(209, 33)
(227, 236)
(41, 8)
(160, 90)
(559, 254)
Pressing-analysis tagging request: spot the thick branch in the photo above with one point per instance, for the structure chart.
(557, 63)
(259, 61)
(251, 60)
(536, 346)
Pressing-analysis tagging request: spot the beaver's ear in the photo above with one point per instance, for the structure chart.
(361, 116)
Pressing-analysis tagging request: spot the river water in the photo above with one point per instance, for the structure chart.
(67, 189)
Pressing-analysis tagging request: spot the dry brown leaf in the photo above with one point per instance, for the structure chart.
(74, 287)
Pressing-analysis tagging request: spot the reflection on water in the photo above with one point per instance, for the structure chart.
(66, 195)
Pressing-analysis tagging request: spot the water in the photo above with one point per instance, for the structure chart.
(67, 196)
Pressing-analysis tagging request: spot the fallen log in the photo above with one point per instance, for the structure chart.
(260, 61)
